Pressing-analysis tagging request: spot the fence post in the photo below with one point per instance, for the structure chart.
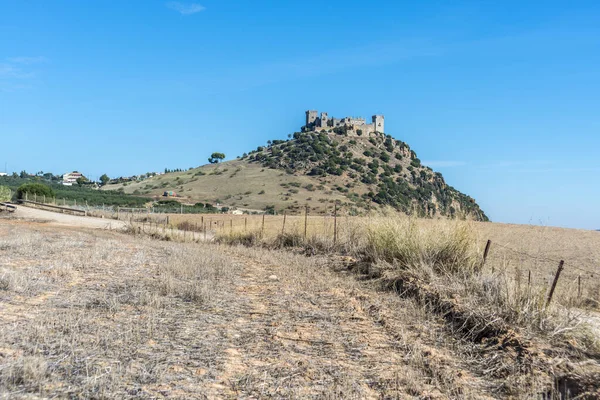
(486, 251)
(231, 225)
(204, 226)
(262, 229)
(579, 286)
(283, 227)
(245, 224)
(35, 197)
(335, 224)
(305, 220)
(558, 271)
(44, 199)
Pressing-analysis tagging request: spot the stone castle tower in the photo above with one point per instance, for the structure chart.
(379, 123)
(311, 117)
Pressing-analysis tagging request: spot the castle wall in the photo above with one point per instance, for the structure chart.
(315, 122)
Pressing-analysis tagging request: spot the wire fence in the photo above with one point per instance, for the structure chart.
(535, 269)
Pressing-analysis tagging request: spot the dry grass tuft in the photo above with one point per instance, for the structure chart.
(451, 248)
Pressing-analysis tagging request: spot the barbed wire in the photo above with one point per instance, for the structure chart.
(256, 221)
(543, 258)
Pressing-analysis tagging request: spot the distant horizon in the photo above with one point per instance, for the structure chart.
(502, 99)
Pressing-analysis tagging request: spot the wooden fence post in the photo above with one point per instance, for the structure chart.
(283, 227)
(335, 224)
(262, 229)
(245, 224)
(486, 251)
(305, 221)
(204, 226)
(579, 286)
(231, 225)
(558, 271)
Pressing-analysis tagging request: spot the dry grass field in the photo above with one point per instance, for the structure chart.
(240, 184)
(100, 314)
(528, 251)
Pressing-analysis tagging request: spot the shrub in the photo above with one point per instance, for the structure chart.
(32, 189)
(5, 193)
(243, 238)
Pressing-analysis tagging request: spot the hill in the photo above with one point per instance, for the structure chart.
(317, 168)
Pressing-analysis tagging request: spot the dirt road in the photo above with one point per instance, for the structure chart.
(55, 218)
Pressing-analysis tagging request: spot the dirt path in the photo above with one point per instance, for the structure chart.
(55, 218)
(306, 333)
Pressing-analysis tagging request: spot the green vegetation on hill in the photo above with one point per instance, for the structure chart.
(390, 170)
(318, 170)
(82, 194)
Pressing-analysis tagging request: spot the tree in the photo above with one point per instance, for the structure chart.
(82, 180)
(38, 189)
(104, 179)
(216, 157)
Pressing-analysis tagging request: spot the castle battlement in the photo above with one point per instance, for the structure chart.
(354, 126)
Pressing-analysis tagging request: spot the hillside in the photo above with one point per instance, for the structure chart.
(318, 169)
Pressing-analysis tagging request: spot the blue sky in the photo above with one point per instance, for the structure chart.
(502, 97)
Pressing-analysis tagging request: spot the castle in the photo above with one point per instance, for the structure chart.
(353, 126)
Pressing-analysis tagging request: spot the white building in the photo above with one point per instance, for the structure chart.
(71, 177)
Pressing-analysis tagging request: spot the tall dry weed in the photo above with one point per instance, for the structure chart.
(449, 248)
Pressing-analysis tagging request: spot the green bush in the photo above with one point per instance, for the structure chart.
(5, 193)
(30, 190)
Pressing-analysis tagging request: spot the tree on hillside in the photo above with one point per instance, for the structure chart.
(104, 179)
(216, 157)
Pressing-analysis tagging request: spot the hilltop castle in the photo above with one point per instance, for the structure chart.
(353, 126)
